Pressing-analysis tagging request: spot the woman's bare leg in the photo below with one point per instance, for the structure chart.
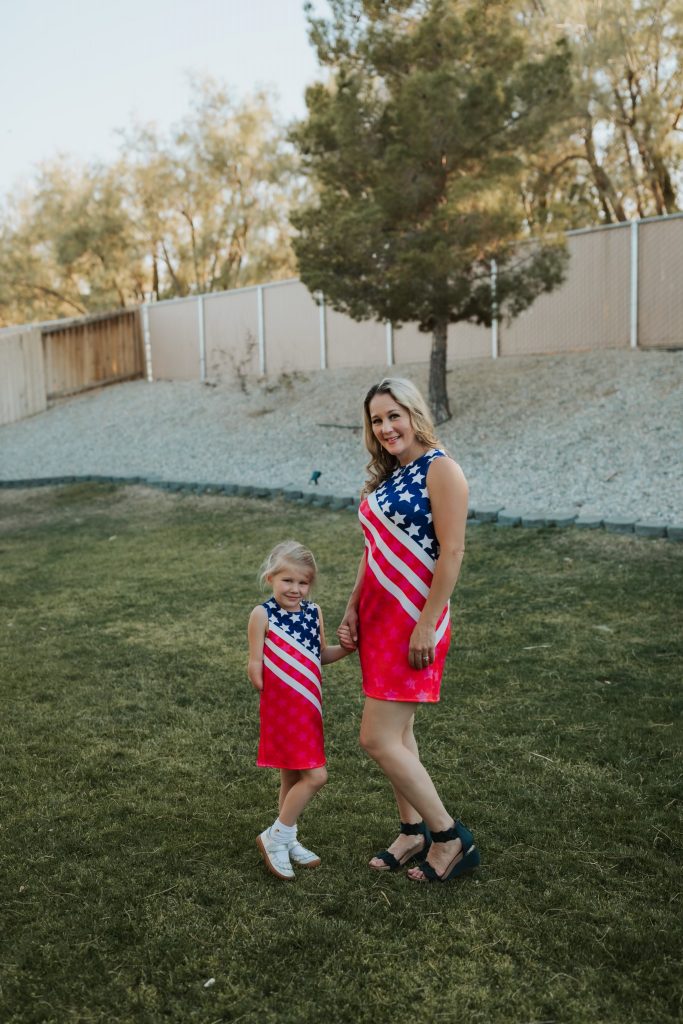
(385, 737)
(404, 844)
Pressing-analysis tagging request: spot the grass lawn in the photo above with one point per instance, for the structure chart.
(130, 799)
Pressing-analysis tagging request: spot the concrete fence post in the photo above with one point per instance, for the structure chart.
(202, 338)
(322, 329)
(390, 343)
(261, 331)
(147, 342)
(634, 284)
(494, 310)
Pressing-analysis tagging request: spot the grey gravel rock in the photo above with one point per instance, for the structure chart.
(598, 434)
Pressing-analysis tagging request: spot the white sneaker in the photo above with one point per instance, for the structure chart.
(275, 854)
(302, 857)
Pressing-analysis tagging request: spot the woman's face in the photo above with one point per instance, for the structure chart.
(392, 427)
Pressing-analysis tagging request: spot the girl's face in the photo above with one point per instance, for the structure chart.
(392, 427)
(291, 585)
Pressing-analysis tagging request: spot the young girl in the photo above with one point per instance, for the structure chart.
(286, 649)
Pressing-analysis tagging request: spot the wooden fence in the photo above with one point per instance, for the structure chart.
(92, 351)
(22, 377)
(65, 357)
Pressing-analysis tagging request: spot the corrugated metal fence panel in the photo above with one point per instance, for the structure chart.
(22, 376)
(350, 343)
(292, 328)
(231, 331)
(174, 340)
(589, 311)
(660, 268)
(87, 353)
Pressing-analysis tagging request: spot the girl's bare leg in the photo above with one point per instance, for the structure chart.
(383, 736)
(300, 792)
(288, 778)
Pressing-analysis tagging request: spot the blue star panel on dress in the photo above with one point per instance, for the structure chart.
(302, 626)
(403, 498)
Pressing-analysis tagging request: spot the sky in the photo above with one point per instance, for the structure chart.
(72, 72)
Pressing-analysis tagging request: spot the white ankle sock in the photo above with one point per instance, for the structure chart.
(285, 832)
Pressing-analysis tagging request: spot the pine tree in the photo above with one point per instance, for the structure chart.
(415, 147)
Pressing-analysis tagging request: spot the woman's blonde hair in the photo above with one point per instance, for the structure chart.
(382, 463)
(288, 552)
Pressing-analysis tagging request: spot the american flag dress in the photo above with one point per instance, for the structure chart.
(291, 699)
(401, 551)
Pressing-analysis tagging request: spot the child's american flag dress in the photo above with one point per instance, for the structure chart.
(291, 698)
(401, 551)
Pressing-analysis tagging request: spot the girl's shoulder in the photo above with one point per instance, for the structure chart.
(258, 617)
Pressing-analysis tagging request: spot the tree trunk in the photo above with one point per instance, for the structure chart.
(603, 183)
(438, 394)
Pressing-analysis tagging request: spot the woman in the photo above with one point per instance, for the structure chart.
(413, 515)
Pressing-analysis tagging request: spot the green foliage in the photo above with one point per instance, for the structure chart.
(128, 868)
(416, 146)
(69, 248)
(202, 210)
(212, 200)
(619, 153)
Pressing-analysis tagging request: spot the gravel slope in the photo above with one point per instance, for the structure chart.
(602, 431)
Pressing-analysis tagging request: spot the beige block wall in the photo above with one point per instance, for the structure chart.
(590, 310)
(22, 375)
(292, 328)
(660, 269)
(465, 341)
(231, 334)
(174, 340)
(354, 343)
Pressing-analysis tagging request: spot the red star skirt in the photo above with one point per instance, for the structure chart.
(291, 707)
(395, 586)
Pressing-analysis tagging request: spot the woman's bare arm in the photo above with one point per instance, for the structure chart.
(448, 495)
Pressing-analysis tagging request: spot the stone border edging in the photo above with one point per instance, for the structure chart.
(498, 515)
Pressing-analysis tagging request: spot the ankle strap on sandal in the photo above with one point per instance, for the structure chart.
(447, 835)
(413, 828)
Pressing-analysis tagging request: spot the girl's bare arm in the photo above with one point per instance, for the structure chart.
(256, 634)
(328, 654)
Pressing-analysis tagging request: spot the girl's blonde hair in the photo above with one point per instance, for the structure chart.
(382, 463)
(289, 552)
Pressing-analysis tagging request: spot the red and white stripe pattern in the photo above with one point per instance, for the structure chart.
(294, 665)
(291, 699)
(401, 553)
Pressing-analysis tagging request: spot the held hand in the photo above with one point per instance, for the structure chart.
(345, 638)
(421, 652)
(349, 626)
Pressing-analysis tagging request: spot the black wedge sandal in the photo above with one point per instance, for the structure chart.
(408, 829)
(465, 860)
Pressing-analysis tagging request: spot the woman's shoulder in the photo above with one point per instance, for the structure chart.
(443, 466)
